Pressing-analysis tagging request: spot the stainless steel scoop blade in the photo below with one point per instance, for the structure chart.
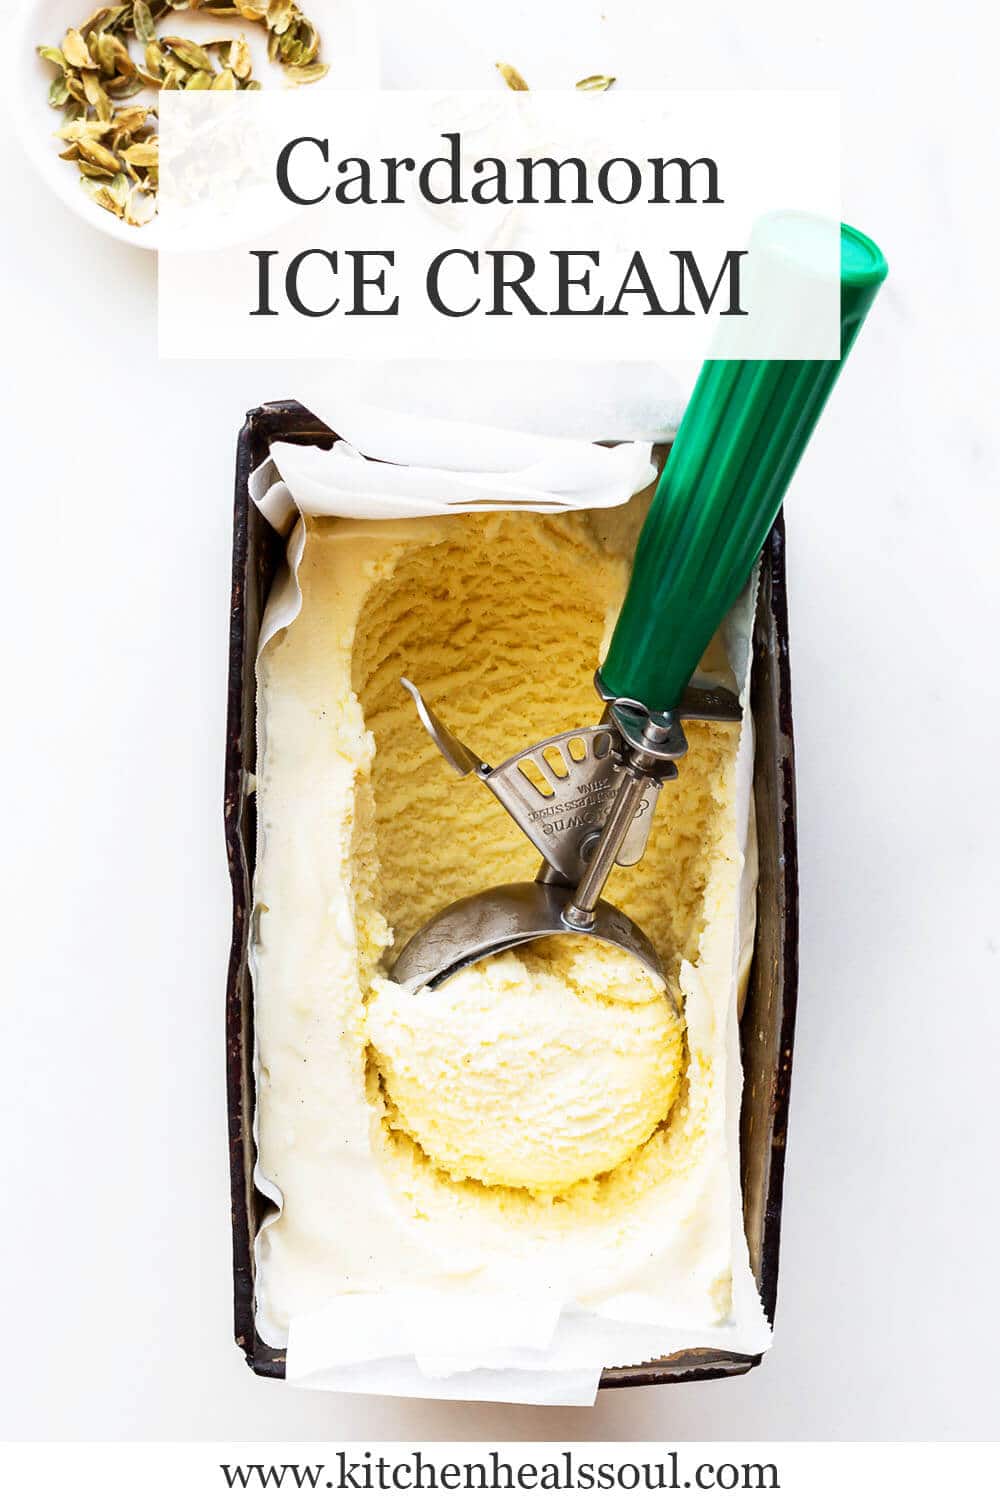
(585, 798)
(504, 917)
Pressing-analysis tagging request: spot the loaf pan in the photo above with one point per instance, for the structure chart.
(767, 1026)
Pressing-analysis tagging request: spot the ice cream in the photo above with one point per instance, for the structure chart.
(544, 1122)
(535, 1069)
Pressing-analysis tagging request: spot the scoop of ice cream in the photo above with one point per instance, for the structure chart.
(536, 1069)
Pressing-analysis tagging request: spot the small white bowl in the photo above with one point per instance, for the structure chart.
(349, 46)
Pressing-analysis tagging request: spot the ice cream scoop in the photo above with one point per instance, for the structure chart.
(586, 797)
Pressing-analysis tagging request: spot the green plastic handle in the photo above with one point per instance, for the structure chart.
(741, 437)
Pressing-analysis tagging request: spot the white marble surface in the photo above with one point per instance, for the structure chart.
(116, 1241)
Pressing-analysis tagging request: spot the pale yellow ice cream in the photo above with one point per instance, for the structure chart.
(535, 1069)
(540, 1123)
